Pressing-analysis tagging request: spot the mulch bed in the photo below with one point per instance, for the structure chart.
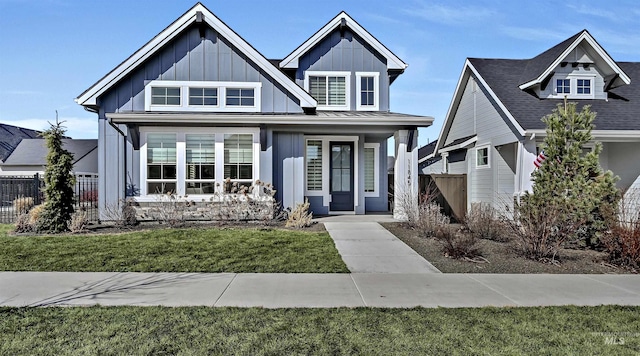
(503, 257)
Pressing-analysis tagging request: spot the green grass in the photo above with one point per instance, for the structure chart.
(175, 250)
(226, 331)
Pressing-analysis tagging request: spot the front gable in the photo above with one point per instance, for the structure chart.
(199, 48)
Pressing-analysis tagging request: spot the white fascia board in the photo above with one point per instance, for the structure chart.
(585, 36)
(88, 98)
(393, 62)
(464, 144)
(429, 156)
(457, 96)
(600, 135)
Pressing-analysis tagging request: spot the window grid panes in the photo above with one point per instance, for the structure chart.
(328, 90)
(240, 97)
(369, 169)
(367, 91)
(482, 158)
(238, 157)
(563, 86)
(314, 165)
(161, 163)
(584, 86)
(203, 96)
(200, 164)
(341, 168)
(165, 96)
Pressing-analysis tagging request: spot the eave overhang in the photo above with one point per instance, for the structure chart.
(597, 135)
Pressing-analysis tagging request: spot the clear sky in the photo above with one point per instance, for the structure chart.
(52, 50)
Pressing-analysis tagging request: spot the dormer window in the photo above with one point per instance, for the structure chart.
(574, 87)
(330, 89)
(368, 91)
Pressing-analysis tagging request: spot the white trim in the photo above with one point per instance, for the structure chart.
(484, 166)
(376, 93)
(184, 96)
(393, 62)
(445, 162)
(584, 36)
(600, 135)
(457, 97)
(573, 86)
(326, 157)
(89, 97)
(461, 145)
(181, 133)
(347, 88)
(376, 169)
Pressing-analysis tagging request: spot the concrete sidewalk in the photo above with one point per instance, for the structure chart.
(315, 290)
(367, 247)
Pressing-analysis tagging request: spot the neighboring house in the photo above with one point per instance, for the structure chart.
(29, 157)
(198, 104)
(10, 137)
(493, 129)
(427, 158)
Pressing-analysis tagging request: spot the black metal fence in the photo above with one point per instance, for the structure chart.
(20, 193)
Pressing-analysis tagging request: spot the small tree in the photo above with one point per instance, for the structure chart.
(59, 182)
(570, 183)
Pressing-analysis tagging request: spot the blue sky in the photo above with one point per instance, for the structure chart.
(52, 50)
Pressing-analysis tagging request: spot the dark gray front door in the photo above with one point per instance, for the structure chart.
(341, 176)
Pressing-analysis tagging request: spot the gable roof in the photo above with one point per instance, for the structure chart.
(10, 137)
(197, 13)
(393, 62)
(501, 79)
(33, 152)
(539, 68)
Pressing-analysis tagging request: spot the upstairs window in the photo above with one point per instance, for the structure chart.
(584, 86)
(482, 157)
(563, 86)
(367, 89)
(240, 97)
(165, 96)
(203, 96)
(330, 89)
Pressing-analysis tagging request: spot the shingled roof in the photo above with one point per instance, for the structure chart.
(620, 112)
(10, 137)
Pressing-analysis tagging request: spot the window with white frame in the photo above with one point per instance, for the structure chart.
(161, 163)
(371, 169)
(330, 89)
(574, 86)
(200, 161)
(367, 89)
(189, 161)
(482, 157)
(166, 95)
(314, 165)
(238, 157)
(203, 96)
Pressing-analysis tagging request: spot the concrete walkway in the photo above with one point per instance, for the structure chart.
(314, 290)
(367, 247)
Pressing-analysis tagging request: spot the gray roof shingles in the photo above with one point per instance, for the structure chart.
(10, 137)
(34, 152)
(620, 112)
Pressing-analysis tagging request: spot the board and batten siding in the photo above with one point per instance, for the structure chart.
(288, 168)
(191, 58)
(348, 53)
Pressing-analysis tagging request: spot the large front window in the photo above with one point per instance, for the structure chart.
(198, 161)
(161, 163)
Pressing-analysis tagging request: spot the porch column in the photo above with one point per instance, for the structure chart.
(527, 154)
(406, 173)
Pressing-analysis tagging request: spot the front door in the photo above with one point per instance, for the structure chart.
(341, 177)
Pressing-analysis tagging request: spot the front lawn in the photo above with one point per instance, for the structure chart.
(211, 250)
(605, 330)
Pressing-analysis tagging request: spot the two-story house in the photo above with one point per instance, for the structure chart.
(198, 105)
(493, 129)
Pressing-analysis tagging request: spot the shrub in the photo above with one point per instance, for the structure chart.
(300, 217)
(430, 219)
(456, 243)
(79, 222)
(622, 242)
(22, 224)
(34, 214)
(122, 214)
(484, 221)
(22, 205)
